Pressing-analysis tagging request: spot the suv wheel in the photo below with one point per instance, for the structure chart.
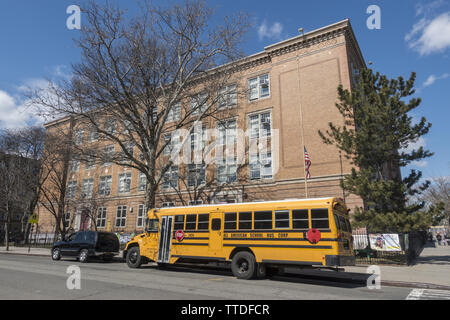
(56, 254)
(84, 256)
(243, 265)
(134, 259)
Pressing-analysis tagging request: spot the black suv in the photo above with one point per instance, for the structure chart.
(86, 244)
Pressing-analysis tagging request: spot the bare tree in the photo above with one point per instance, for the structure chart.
(56, 196)
(141, 79)
(438, 194)
(21, 154)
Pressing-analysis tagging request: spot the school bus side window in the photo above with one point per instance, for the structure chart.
(337, 221)
(263, 220)
(203, 221)
(245, 220)
(191, 221)
(319, 218)
(230, 221)
(282, 219)
(179, 222)
(300, 219)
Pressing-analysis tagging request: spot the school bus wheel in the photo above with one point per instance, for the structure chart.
(243, 265)
(134, 259)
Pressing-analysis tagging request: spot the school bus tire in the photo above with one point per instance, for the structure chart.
(243, 265)
(134, 259)
(261, 271)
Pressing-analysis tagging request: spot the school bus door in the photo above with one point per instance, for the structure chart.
(216, 232)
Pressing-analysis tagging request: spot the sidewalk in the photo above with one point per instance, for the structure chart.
(431, 270)
(432, 267)
(24, 251)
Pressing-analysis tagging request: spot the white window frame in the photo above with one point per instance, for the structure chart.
(101, 217)
(124, 182)
(120, 217)
(105, 184)
(87, 188)
(171, 173)
(140, 216)
(256, 86)
(227, 97)
(72, 189)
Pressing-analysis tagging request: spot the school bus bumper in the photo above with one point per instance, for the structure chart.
(339, 260)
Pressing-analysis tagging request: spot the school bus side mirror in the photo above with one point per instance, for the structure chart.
(216, 224)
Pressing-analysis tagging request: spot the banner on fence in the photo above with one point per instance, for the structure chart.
(385, 242)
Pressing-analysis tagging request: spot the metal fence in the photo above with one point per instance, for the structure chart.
(411, 245)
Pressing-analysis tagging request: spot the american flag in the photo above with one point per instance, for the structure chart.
(307, 164)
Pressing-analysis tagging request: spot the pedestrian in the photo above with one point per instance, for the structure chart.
(439, 238)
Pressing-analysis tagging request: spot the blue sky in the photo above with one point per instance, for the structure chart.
(414, 36)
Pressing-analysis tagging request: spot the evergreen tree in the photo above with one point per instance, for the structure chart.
(376, 132)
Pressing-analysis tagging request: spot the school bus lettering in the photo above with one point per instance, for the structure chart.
(249, 236)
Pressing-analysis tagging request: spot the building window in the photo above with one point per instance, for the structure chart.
(140, 216)
(195, 202)
(196, 175)
(72, 187)
(108, 153)
(227, 97)
(170, 178)
(259, 87)
(78, 137)
(111, 127)
(101, 217)
(174, 113)
(226, 133)
(198, 138)
(261, 166)
(168, 204)
(90, 160)
(199, 103)
(226, 170)
(104, 187)
(67, 220)
(121, 216)
(142, 185)
(260, 125)
(93, 134)
(172, 141)
(74, 166)
(124, 182)
(88, 187)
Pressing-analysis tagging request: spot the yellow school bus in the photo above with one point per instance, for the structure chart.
(253, 237)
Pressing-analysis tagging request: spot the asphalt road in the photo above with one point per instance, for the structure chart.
(33, 277)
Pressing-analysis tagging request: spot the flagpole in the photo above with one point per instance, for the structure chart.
(301, 125)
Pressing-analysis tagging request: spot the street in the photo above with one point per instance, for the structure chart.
(35, 277)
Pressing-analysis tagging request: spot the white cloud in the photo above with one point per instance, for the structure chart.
(270, 32)
(14, 113)
(430, 35)
(432, 79)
